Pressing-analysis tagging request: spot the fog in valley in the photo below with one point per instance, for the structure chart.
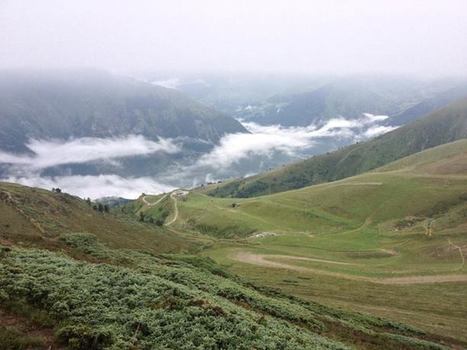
(185, 93)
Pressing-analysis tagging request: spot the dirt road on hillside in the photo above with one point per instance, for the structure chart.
(175, 210)
(266, 261)
(145, 201)
(174, 195)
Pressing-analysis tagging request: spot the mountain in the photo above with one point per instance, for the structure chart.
(425, 184)
(37, 217)
(77, 278)
(429, 105)
(348, 98)
(390, 242)
(228, 91)
(63, 105)
(445, 125)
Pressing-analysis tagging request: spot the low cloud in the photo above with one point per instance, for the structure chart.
(83, 150)
(96, 186)
(265, 140)
(234, 147)
(172, 83)
(235, 156)
(176, 83)
(372, 118)
(377, 130)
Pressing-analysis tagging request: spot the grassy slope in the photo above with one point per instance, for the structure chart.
(123, 298)
(176, 302)
(375, 222)
(446, 125)
(33, 216)
(421, 185)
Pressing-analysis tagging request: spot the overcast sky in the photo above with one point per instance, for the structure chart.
(315, 36)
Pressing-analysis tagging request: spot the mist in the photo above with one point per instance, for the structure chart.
(55, 152)
(265, 140)
(341, 37)
(95, 186)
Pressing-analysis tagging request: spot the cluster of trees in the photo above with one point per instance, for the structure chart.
(158, 221)
(102, 208)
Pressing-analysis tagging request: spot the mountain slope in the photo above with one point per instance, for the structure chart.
(391, 241)
(445, 125)
(340, 201)
(67, 105)
(424, 184)
(348, 98)
(38, 217)
(429, 105)
(74, 290)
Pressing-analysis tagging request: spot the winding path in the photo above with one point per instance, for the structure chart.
(175, 217)
(460, 252)
(264, 260)
(173, 195)
(145, 201)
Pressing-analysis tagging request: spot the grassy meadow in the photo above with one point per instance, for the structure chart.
(389, 242)
(373, 261)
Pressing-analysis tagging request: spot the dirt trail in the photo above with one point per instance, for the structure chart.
(263, 260)
(6, 197)
(176, 210)
(460, 252)
(174, 195)
(361, 184)
(310, 259)
(145, 201)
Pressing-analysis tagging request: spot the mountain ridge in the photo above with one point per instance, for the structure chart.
(63, 105)
(442, 126)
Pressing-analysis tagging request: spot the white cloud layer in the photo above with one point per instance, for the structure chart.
(83, 150)
(171, 83)
(96, 186)
(274, 143)
(264, 140)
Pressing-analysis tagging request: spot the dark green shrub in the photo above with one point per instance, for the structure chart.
(11, 339)
(83, 337)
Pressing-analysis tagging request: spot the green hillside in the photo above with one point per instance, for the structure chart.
(445, 125)
(390, 242)
(75, 278)
(32, 216)
(438, 175)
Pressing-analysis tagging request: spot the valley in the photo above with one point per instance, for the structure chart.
(115, 288)
(361, 243)
(233, 175)
(362, 248)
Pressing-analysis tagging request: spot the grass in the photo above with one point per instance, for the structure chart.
(331, 251)
(374, 223)
(12, 339)
(34, 217)
(440, 127)
(137, 300)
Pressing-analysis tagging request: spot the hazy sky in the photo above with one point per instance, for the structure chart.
(316, 36)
